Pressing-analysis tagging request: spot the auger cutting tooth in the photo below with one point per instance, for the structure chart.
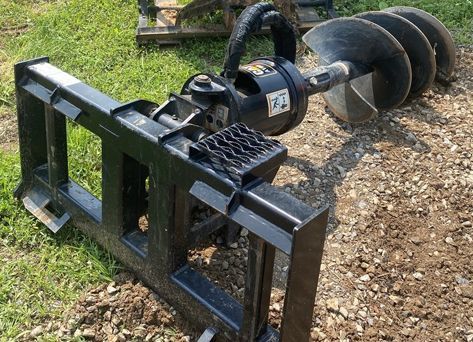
(366, 44)
(439, 37)
(414, 42)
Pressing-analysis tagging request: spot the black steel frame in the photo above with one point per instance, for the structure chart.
(135, 147)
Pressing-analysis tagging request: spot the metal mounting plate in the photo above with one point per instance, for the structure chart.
(36, 203)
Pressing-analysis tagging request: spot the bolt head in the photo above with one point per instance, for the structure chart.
(202, 80)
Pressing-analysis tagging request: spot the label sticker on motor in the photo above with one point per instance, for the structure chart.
(217, 118)
(259, 70)
(278, 102)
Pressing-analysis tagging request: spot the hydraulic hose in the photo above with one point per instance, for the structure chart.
(251, 20)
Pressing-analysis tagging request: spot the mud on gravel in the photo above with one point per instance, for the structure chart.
(397, 261)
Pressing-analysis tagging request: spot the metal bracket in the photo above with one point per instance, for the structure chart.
(36, 203)
(208, 335)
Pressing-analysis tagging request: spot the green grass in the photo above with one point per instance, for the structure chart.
(41, 274)
(84, 157)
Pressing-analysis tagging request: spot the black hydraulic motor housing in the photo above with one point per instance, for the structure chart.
(269, 94)
(273, 95)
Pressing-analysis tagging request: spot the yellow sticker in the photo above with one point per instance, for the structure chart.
(259, 70)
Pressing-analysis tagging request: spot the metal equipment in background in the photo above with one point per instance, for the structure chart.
(161, 21)
(203, 148)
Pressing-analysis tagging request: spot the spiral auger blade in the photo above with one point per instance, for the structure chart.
(440, 39)
(369, 46)
(414, 42)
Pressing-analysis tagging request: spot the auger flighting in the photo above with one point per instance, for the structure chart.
(386, 56)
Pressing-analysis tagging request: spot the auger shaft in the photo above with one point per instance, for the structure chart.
(324, 78)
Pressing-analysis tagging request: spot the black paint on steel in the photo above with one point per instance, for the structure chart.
(418, 49)
(438, 36)
(135, 148)
(246, 99)
(362, 43)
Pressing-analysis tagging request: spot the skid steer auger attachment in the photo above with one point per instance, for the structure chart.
(206, 146)
(227, 171)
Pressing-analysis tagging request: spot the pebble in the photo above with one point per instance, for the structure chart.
(341, 170)
(88, 333)
(332, 304)
(406, 332)
(36, 331)
(111, 290)
(344, 312)
(418, 275)
(240, 281)
(462, 281)
(244, 232)
(365, 278)
(199, 261)
(395, 299)
(467, 291)
(411, 137)
(397, 287)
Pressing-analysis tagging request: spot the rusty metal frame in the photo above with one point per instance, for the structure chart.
(154, 27)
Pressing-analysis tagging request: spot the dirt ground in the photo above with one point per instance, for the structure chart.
(8, 132)
(397, 260)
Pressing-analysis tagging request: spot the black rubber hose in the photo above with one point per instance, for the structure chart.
(251, 20)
